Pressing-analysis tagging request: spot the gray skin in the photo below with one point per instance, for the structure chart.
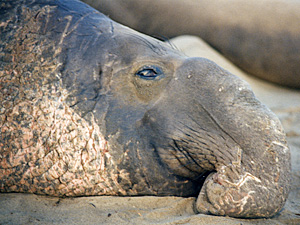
(262, 37)
(91, 107)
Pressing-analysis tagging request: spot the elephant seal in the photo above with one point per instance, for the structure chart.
(91, 107)
(262, 37)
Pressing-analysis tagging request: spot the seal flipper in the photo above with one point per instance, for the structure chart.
(219, 196)
(233, 191)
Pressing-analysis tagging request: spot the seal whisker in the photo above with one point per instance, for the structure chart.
(209, 140)
(186, 153)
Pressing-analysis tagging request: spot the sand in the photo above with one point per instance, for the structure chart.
(17, 208)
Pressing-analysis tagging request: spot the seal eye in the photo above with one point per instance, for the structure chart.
(150, 73)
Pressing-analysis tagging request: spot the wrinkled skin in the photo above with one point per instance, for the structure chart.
(259, 36)
(90, 107)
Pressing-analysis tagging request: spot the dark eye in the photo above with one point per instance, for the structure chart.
(150, 73)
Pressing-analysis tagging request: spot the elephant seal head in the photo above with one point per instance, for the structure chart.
(99, 109)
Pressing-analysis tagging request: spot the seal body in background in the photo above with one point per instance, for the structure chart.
(91, 107)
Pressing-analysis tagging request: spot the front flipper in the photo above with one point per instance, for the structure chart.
(221, 197)
(232, 191)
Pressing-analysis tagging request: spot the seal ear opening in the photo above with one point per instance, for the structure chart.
(100, 72)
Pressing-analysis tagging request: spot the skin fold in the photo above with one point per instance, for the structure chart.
(91, 107)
